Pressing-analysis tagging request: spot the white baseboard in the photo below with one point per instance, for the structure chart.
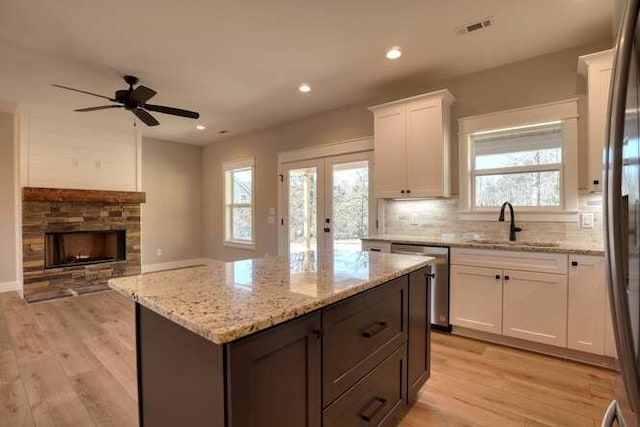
(152, 268)
(9, 286)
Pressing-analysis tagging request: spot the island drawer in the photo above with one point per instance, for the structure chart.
(361, 332)
(378, 399)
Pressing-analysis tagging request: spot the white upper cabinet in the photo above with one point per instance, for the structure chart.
(412, 146)
(596, 68)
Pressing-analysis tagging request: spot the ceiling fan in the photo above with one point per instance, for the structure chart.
(135, 100)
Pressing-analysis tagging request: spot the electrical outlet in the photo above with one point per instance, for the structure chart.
(158, 252)
(586, 220)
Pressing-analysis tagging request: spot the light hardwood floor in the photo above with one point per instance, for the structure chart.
(71, 362)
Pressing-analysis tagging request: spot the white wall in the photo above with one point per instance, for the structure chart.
(78, 150)
(7, 227)
(172, 215)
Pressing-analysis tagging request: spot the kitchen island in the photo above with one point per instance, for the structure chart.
(335, 339)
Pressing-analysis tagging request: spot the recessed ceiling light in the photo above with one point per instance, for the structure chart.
(223, 131)
(304, 87)
(394, 53)
(201, 127)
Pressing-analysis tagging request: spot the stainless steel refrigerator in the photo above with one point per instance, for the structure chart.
(622, 216)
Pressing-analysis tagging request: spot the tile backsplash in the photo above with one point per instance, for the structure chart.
(436, 217)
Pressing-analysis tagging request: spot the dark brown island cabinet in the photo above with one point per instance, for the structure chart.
(358, 362)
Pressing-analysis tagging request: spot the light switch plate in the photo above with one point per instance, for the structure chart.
(586, 220)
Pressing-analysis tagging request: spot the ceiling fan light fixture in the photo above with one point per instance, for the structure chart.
(304, 88)
(394, 53)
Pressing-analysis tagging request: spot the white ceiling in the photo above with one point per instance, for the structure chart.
(239, 63)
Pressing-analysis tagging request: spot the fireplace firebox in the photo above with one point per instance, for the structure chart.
(66, 249)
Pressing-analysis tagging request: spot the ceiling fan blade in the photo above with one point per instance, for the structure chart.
(104, 107)
(146, 118)
(142, 94)
(172, 111)
(84, 91)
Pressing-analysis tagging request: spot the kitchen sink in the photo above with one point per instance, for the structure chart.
(506, 242)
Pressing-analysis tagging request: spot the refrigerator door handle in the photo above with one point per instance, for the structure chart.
(612, 415)
(615, 218)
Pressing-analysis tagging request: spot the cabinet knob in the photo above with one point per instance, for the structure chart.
(408, 191)
(497, 277)
(574, 263)
(402, 191)
(596, 182)
(506, 277)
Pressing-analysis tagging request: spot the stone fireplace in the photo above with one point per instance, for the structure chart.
(73, 241)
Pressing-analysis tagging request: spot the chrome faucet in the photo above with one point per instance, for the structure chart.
(513, 229)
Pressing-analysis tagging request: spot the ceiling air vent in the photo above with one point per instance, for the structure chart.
(474, 26)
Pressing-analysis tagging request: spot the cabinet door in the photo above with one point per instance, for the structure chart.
(419, 332)
(274, 376)
(599, 81)
(586, 316)
(425, 151)
(476, 298)
(389, 142)
(535, 307)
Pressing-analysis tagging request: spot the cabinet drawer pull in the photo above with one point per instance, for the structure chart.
(375, 250)
(497, 277)
(372, 408)
(374, 330)
(506, 277)
(574, 263)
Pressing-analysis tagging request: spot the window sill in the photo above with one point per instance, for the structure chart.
(557, 216)
(238, 244)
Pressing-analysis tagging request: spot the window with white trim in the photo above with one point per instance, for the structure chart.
(522, 165)
(238, 208)
(527, 156)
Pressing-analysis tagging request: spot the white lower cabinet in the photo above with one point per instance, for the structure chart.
(535, 307)
(552, 299)
(590, 327)
(476, 298)
(516, 294)
(587, 288)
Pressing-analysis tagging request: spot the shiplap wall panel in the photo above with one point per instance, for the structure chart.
(67, 151)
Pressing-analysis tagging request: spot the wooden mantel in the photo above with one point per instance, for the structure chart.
(38, 194)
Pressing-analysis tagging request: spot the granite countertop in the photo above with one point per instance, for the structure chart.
(456, 241)
(226, 301)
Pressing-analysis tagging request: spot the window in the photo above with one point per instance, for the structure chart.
(521, 165)
(238, 211)
(526, 156)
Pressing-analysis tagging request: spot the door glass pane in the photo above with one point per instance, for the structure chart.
(303, 218)
(350, 204)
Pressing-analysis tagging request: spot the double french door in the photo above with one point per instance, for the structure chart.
(326, 203)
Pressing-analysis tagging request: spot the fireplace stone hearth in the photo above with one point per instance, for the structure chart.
(56, 212)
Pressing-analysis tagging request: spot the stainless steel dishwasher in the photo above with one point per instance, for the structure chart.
(439, 283)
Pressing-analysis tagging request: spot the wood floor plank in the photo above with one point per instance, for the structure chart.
(107, 401)
(27, 339)
(117, 359)
(53, 400)
(15, 410)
